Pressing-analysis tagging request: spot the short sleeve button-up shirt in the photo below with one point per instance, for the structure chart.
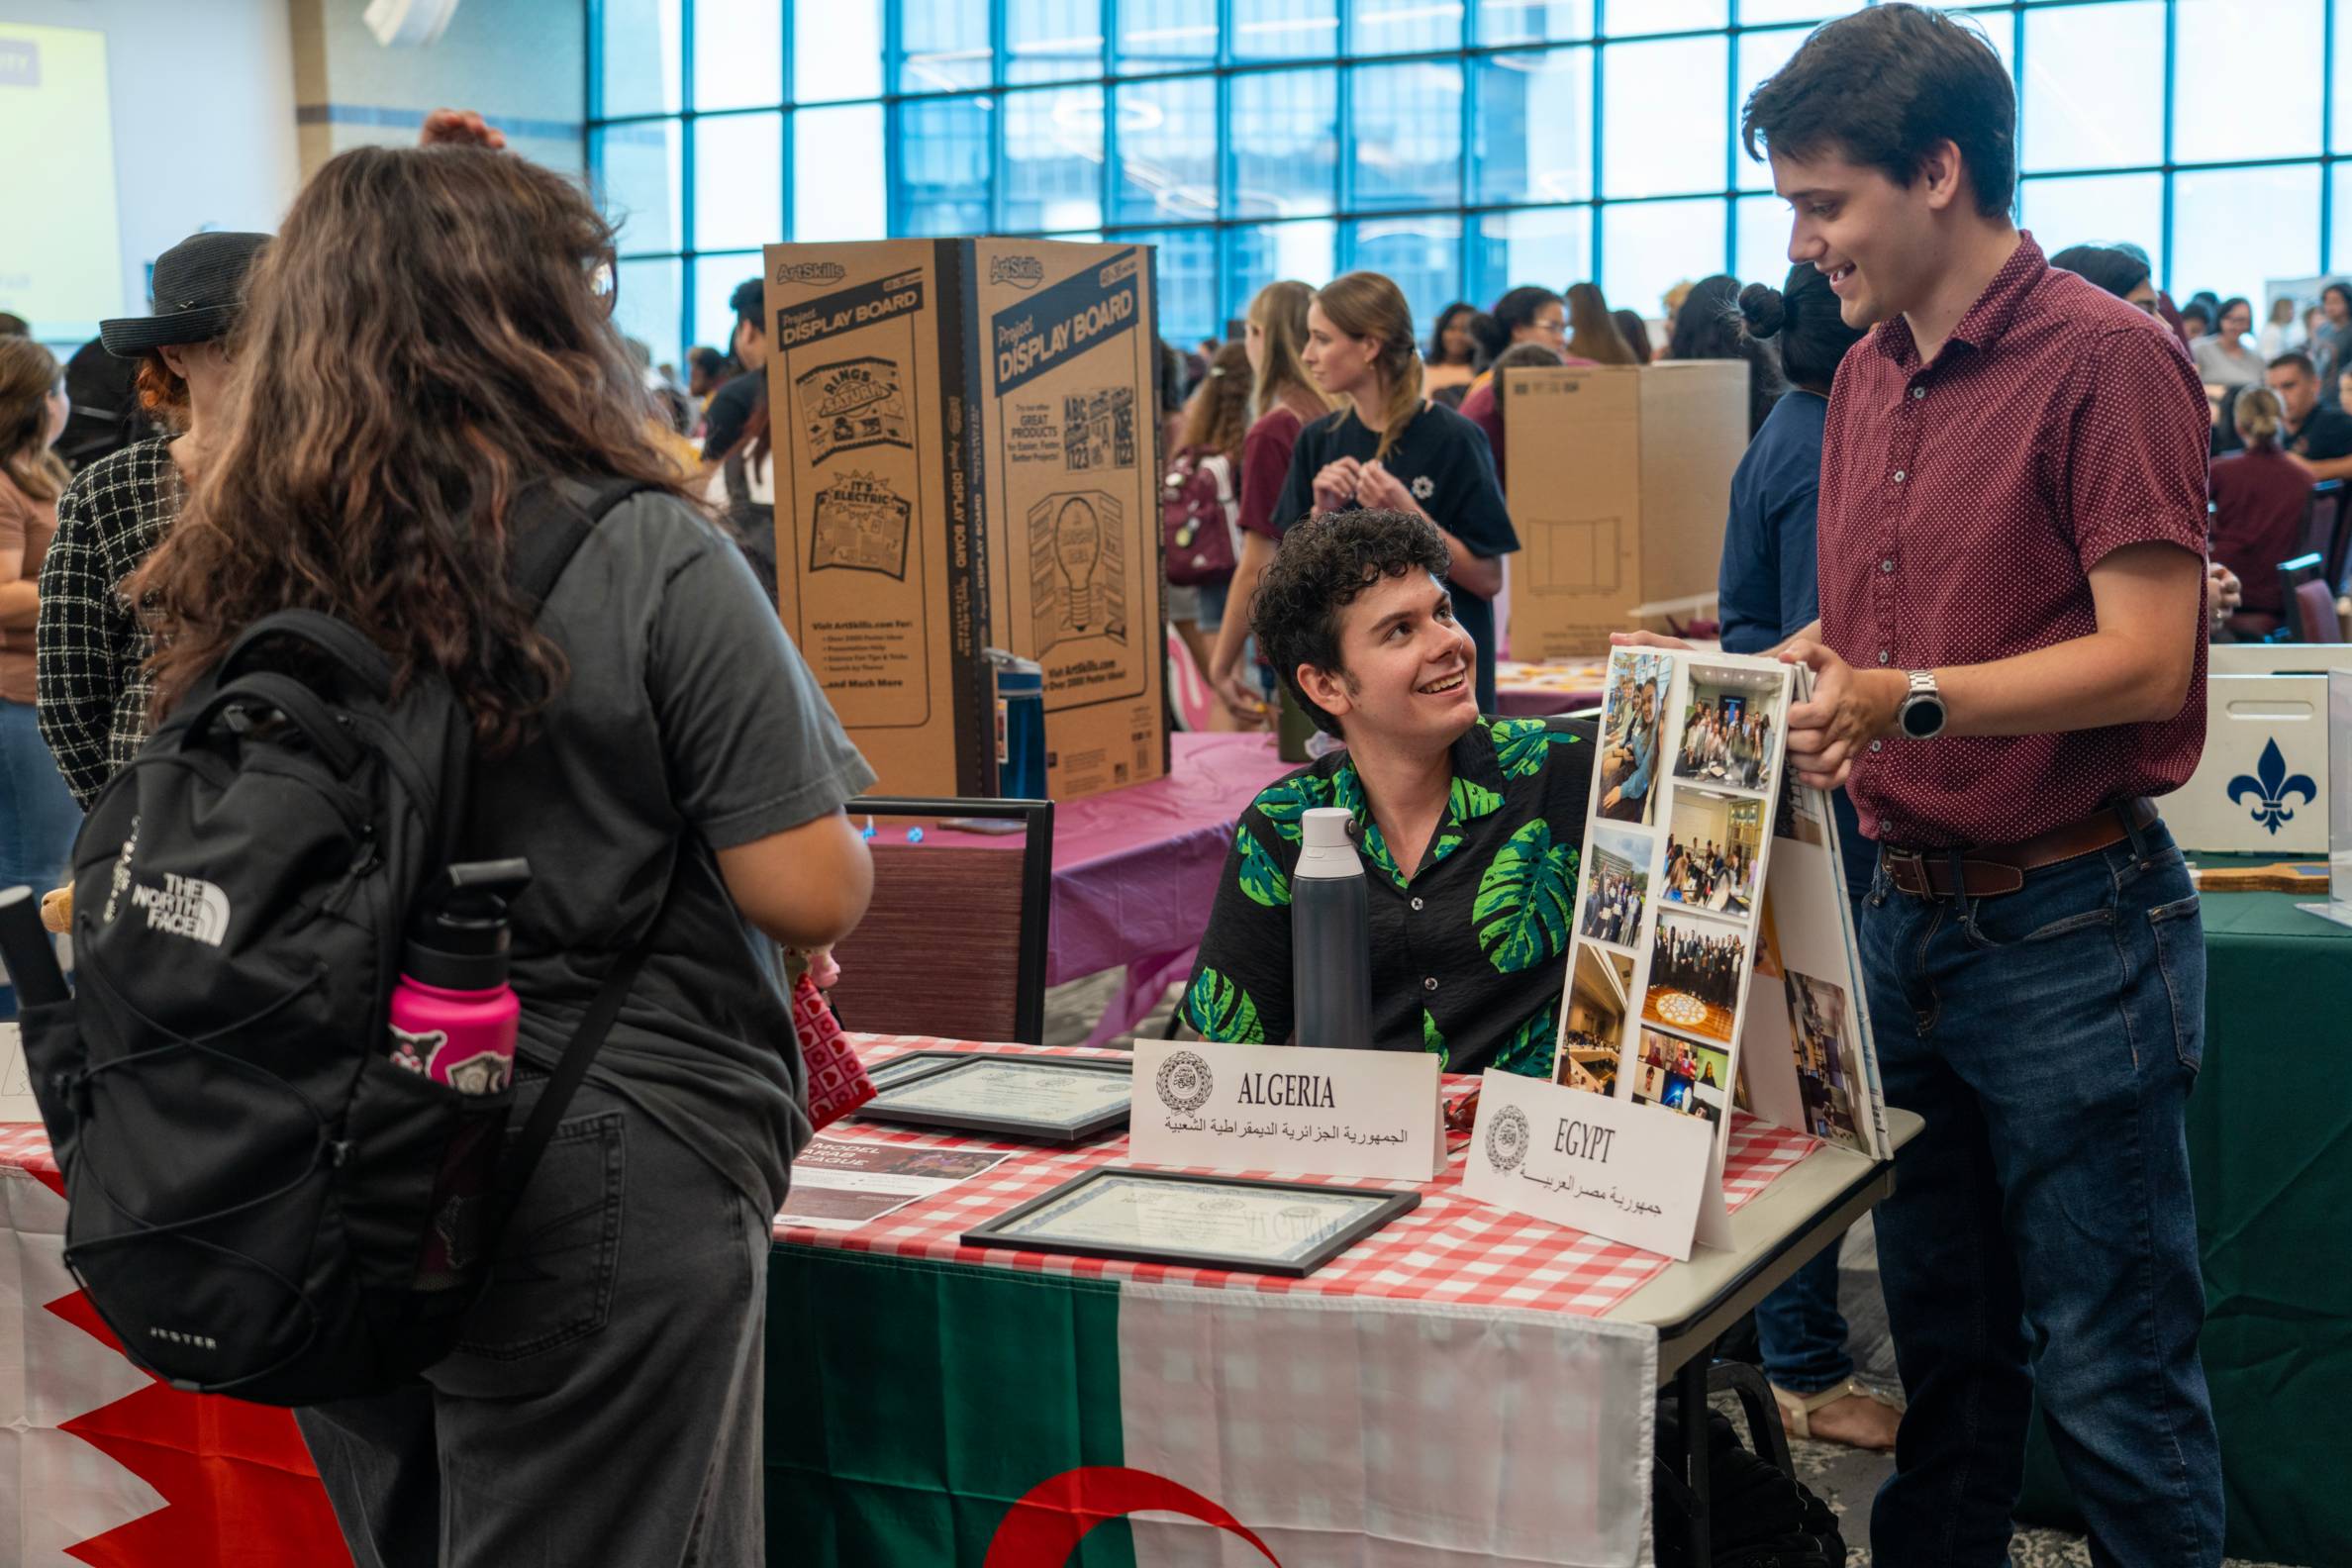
(1467, 951)
(1963, 505)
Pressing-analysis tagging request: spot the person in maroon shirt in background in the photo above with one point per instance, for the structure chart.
(1284, 397)
(2012, 511)
(2259, 496)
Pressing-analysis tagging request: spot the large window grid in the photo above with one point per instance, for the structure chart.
(1463, 145)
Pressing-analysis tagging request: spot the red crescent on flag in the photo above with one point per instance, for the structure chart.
(1046, 1525)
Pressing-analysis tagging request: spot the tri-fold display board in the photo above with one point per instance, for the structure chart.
(1712, 960)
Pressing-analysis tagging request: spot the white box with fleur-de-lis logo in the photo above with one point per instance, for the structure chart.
(2261, 787)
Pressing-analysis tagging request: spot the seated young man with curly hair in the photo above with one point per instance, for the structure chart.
(1469, 827)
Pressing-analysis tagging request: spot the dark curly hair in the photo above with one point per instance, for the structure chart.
(1323, 565)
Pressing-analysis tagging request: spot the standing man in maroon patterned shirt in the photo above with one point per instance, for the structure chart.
(2009, 663)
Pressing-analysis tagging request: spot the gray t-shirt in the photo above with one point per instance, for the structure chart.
(688, 724)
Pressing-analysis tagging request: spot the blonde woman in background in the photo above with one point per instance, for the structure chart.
(2259, 496)
(1592, 333)
(1283, 400)
(1390, 448)
(37, 816)
(2283, 334)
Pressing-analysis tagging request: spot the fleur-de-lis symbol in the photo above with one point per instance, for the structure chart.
(2272, 785)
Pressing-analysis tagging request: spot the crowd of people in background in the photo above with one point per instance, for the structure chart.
(2280, 424)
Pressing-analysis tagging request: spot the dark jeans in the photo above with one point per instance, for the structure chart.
(2041, 1234)
(606, 1406)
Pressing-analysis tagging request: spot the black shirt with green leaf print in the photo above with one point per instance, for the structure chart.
(1469, 958)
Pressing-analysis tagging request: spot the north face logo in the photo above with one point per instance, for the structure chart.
(184, 906)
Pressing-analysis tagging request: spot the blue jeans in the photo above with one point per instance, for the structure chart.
(1801, 1331)
(37, 814)
(2041, 1233)
(1212, 604)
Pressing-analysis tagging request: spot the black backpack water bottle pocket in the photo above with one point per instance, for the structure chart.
(415, 1202)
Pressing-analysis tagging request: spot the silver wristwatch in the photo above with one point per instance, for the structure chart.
(1921, 716)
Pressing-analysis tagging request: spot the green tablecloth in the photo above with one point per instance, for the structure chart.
(2270, 1146)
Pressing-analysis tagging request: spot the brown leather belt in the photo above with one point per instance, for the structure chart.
(1990, 870)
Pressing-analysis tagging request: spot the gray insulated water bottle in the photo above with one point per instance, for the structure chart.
(1330, 937)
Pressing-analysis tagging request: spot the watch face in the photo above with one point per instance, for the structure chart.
(1923, 717)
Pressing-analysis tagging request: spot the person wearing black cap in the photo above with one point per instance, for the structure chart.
(90, 646)
(731, 405)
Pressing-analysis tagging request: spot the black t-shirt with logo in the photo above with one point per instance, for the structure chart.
(2326, 434)
(1443, 459)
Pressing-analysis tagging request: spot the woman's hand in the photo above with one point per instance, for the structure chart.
(460, 128)
(1645, 639)
(824, 969)
(1239, 692)
(1337, 483)
(1384, 490)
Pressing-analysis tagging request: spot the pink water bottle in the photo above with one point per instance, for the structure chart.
(454, 1016)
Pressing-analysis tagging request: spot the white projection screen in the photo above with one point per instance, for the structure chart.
(61, 251)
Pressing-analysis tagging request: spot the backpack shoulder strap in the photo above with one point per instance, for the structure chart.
(548, 528)
(571, 1070)
(551, 529)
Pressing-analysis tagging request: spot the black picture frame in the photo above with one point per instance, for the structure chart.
(1066, 1132)
(903, 1070)
(1391, 1205)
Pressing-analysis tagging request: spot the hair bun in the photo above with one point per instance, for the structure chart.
(1761, 307)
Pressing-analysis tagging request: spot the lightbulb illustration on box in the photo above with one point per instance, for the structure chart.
(1077, 549)
(1077, 568)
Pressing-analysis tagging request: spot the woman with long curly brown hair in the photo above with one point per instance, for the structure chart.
(658, 752)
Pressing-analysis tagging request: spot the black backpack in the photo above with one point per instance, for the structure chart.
(260, 1202)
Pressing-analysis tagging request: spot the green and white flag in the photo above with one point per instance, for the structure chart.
(925, 1415)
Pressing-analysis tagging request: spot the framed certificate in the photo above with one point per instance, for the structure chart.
(917, 1064)
(1235, 1223)
(1059, 1099)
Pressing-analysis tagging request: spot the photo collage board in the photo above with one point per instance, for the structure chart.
(1712, 955)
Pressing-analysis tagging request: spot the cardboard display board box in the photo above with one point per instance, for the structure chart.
(967, 458)
(1619, 480)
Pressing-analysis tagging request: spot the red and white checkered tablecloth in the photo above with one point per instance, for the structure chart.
(1451, 1250)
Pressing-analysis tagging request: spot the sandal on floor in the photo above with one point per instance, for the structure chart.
(1797, 1410)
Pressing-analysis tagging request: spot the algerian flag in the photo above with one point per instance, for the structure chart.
(933, 1415)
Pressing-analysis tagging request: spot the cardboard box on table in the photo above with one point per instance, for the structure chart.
(1619, 478)
(967, 458)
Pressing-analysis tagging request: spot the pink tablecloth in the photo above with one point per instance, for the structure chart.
(1537, 691)
(1134, 870)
